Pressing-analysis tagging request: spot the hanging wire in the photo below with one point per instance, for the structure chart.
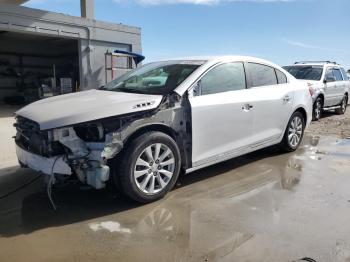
(51, 182)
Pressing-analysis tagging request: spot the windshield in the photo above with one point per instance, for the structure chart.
(156, 78)
(305, 72)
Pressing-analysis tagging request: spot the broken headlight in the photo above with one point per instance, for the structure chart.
(90, 132)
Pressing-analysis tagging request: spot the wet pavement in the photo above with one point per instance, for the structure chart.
(264, 206)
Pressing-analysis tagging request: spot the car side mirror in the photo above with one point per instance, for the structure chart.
(329, 79)
(197, 89)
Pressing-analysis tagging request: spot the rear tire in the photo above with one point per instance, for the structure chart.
(294, 132)
(317, 109)
(149, 167)
(342, 109)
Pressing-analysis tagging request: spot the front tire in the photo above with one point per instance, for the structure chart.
(149, 167)
(342, 109)
(317, 109)
(294, 132)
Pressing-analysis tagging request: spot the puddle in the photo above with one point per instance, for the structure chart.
(109, 226)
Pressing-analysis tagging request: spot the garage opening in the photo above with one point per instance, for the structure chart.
(33, 67)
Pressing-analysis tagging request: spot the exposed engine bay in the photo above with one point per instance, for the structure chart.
(85, 149)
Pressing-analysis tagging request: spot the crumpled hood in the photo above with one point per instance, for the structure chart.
(65, 110)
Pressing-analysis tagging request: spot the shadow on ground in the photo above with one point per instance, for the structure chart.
(28, 209)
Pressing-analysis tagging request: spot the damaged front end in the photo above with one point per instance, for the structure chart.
(83, 149)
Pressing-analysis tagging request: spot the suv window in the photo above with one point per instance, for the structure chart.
(305, 72)
(329, 74)
(337, 74)
(261, 75)
(345, 75)
(223, 78)
(281, 77)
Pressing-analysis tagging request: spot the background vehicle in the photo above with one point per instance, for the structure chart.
(329, 83)
(142, 129)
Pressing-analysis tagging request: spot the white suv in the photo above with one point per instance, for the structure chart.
(329, 83)
(141, 129)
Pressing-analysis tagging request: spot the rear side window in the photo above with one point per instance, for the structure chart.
(223, 78)
(345, 76)
(261, 75)
(337, 74)
(281, 77)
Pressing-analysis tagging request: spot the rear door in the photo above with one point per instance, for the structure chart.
(346, 80)
(272, 102)
(221, 114)
(340, 85)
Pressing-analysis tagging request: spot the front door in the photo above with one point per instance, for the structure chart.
(221, 114)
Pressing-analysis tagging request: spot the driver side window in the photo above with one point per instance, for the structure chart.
(224, 78)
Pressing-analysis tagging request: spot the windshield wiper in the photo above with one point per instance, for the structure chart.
(127, 90)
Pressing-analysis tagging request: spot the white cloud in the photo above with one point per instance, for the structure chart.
(302, 45)
(308, 46)
(194, 2)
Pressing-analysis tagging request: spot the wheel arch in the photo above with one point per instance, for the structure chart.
(159, 127)
(303, 112)
(321, 95)
(154, 127)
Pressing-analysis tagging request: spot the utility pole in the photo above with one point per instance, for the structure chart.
(87, 9)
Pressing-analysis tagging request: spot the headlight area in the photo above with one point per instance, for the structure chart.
(85, 144)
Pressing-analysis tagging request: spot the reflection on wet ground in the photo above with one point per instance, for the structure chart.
(261, 207)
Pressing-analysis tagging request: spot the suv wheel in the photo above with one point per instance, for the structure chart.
(317, 109)
(149, 167)
(342, 109)
(294, 132)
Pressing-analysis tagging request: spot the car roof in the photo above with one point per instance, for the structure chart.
(325, 64)
(216, 58)
(209, 61)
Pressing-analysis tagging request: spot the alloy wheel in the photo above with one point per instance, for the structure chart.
(295, 131)
(154, 168)
(318, 109)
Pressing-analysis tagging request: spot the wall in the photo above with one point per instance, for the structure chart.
(92, 59)
(95, 37)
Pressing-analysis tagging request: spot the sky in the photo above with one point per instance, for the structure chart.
(282, 31)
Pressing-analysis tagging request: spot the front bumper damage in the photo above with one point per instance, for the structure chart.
(84, 159)
(42, 164)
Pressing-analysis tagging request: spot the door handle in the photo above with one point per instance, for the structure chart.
(247, 107)
(287, 98)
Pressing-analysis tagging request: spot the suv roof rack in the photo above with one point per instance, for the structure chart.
(314, 62)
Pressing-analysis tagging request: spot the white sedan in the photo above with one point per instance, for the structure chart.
(141, 130)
